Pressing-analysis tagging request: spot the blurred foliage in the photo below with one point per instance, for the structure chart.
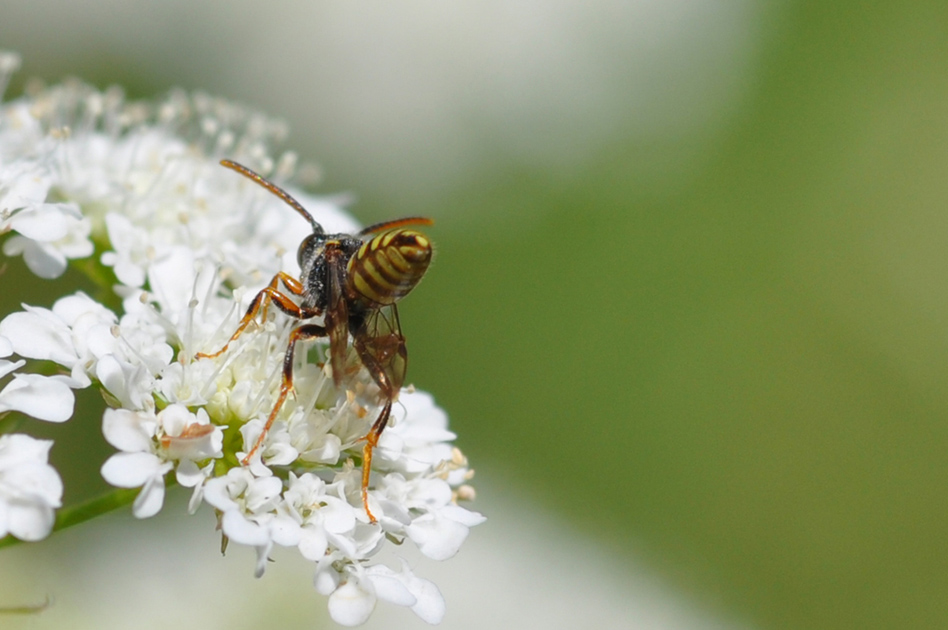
(743, 376)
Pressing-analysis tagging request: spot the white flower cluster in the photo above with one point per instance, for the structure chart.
(185, 244)
(30, 489)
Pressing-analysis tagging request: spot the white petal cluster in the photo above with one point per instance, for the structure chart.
(46, 233)
(152, 445)
(186, 244)
(30, 489)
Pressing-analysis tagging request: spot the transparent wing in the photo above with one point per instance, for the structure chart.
(381, 347)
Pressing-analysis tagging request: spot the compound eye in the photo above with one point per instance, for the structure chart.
(308, 249)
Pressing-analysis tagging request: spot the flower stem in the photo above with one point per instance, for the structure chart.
(28, 609)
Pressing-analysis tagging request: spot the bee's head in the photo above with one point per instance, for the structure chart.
(311, 247)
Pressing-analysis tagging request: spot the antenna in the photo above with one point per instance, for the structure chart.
(276, 190)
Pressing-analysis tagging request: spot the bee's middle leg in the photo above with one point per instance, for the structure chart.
(308, 331)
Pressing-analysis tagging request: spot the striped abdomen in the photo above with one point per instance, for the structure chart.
(387, 267)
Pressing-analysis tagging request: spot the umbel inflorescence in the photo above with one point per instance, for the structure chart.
(133, 195)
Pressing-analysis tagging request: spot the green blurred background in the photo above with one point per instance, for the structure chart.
(690, 293)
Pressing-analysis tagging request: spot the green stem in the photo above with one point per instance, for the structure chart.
(87, 510)
(27, 609)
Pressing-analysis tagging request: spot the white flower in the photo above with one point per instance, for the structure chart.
(74, 334)
(30, 489)
(354, 600)
(42, 397)
(150, 445)
(129, 260)
(251, 512)
(50, 234)
(418, 437)
(47, 233)
(26, 187)
(324, 516)
(423, 508)
(186, 245)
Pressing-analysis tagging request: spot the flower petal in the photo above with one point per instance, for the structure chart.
(313, 543)
(151, 498)
(388, 586)
(16, 448)
(437, 537)
(25, 189)
(127, 430)
(243, 531)
(131, 470)
(430, 606)
(39, 334)
(43, 260)
(30, 521)
(42, 397)
(7, 367)
(34, 481)
(31, 488)
(188, 474)
(46, 222)
(351, 605)
(72, 307)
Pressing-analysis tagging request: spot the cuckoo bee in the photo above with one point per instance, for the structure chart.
(354, 282)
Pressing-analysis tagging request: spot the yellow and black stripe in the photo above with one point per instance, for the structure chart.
(387, 267)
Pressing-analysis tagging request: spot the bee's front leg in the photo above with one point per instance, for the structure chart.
(262, 301)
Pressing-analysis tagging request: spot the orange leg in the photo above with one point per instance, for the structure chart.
(262, 300)
(389, 381)
(371, 441)
(309, 331)
(293, 286)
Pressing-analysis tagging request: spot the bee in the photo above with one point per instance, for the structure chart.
(354, 282)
